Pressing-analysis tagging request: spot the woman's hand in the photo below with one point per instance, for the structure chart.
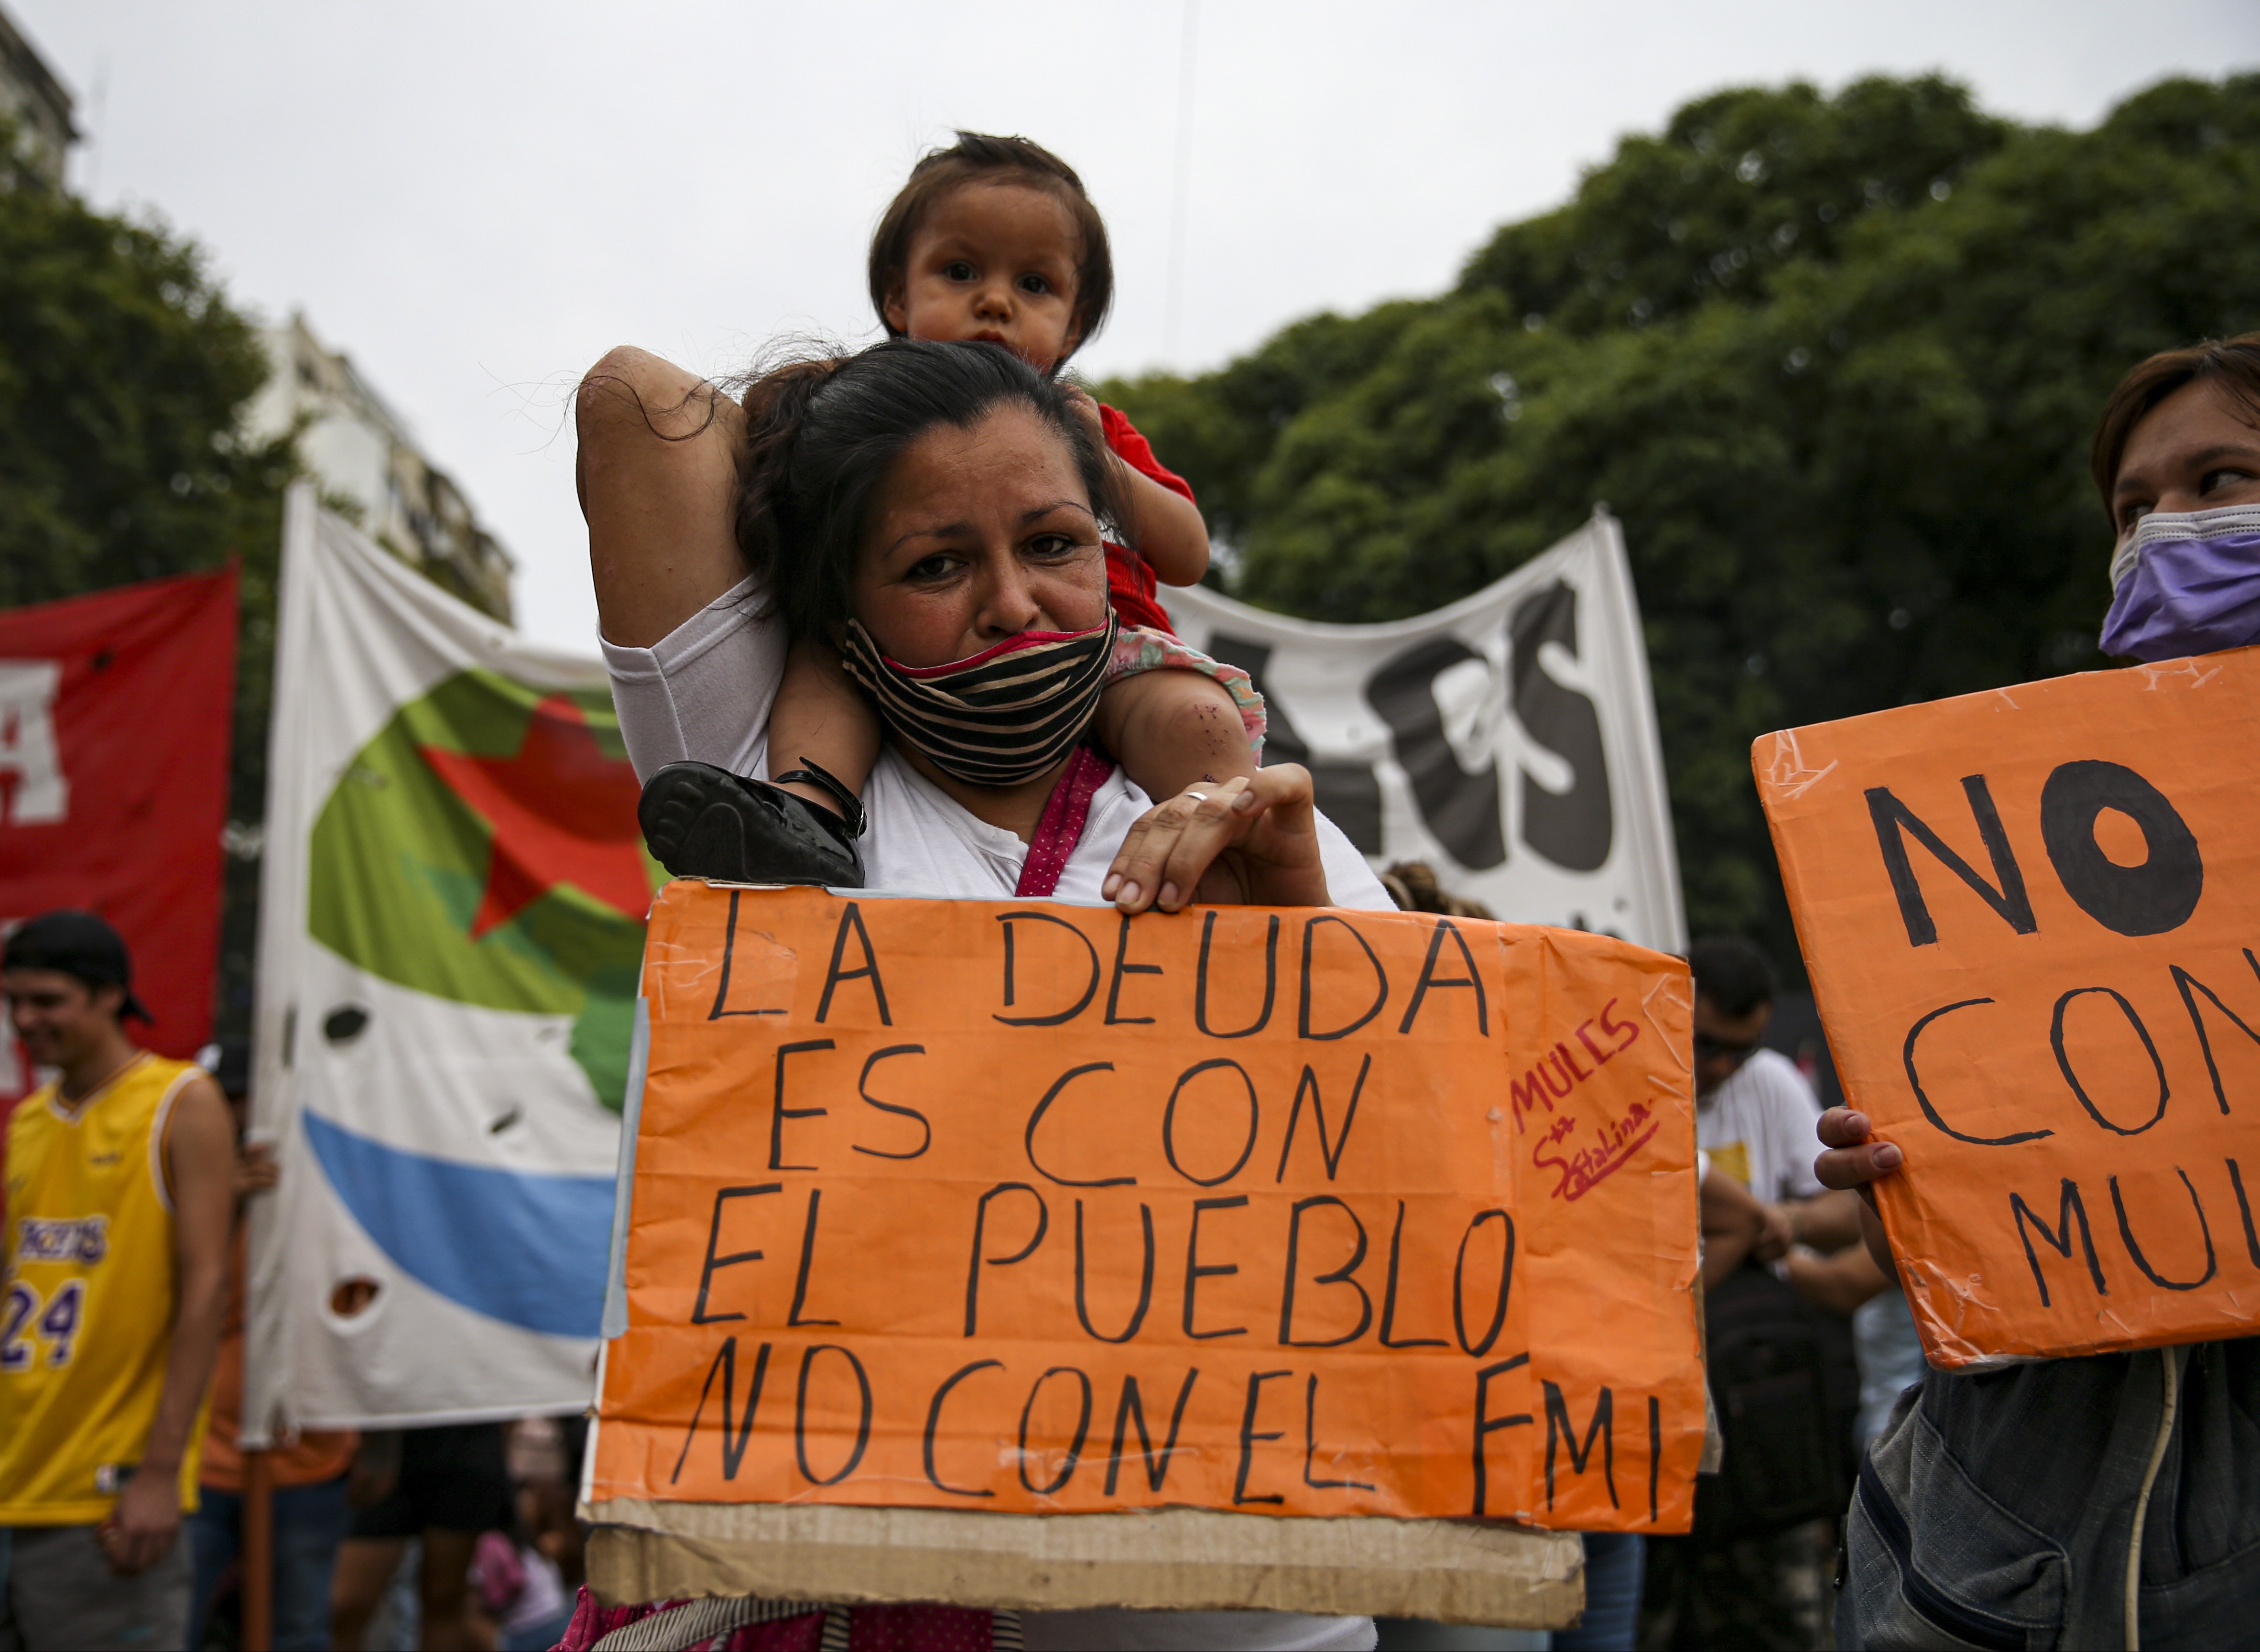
(1252, 841)
(1855, 1161)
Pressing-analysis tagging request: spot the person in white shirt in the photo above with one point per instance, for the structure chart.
(1755, 1112)
(936, 511)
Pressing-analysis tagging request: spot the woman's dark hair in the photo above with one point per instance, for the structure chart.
(820, 437)
(979, 157)
(2232, 363)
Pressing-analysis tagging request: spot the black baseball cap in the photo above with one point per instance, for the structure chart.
(76, 944)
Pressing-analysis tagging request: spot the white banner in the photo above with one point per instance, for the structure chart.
(451, 926)
(1509, 740)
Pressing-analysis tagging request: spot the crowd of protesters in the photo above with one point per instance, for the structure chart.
(1856, 1494)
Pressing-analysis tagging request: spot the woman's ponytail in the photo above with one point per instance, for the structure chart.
(776, 407)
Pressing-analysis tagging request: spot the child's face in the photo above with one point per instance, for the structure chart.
(994, 262)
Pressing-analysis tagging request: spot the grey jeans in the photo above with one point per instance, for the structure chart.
(1998, 1510)
(57, 1590)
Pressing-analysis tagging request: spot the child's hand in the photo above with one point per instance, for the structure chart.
(1086, 409)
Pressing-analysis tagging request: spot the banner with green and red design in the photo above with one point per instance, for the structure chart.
(452, 928)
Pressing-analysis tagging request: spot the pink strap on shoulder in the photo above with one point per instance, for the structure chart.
(1061, 829)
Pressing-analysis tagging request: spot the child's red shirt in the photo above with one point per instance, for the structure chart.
(1130, 587)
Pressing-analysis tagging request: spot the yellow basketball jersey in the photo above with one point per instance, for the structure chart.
(85, 1314)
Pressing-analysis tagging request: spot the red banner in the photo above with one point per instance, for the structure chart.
(115, 713)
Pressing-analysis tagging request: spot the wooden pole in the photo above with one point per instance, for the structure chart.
(258, 1591)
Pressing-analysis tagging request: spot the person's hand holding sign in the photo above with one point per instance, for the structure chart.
(1853, 1160)
(1251, 841)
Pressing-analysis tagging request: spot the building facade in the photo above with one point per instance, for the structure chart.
(36, 102)
(365, 462)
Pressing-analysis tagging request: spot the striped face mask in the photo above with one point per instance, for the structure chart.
(1002, 717)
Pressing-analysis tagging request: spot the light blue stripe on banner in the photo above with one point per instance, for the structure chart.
(616, 1273)
(527, 1249)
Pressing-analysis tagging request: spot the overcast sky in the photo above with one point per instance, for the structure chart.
(474, 201)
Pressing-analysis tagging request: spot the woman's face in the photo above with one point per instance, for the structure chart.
(2197, 450)
(976, 536)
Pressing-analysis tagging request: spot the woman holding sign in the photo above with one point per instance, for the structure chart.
(2113, 1499)
(935, 511)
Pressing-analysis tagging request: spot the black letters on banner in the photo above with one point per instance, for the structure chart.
(1145, 1278)
(1486, 1424)
(1389, 1296)
(807, 1257)
(2063, 1059)
(2069, 1208)
(2149, 899)
(1380, 979)
(1477, 1350)
(1558, 1427)
(933, 1426)
(1249, 1438)
(1892, 816)
(783, 1112)
(863, 1089)
(733, 1442)
(1169, 1121)
(1028, 1137)
(1573, 829)
(1131, 1410)
(1270, 978)
(1057, 1017)
(2182, 981)
(1311, 1444)
(1082, 1431)
(980, 1223)
(800, 1415)
(714, 1264)
(1430, 978)
(1197, 1270)
(1332, 1151)
(868, 970)
(1340, 1276)
(1922, 1097)
(2127, 1234)
(1121, 968)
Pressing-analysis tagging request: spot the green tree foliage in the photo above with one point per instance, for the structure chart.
(123, 372)
(1835, 362)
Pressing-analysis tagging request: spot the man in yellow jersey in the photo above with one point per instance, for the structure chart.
(119, 1198)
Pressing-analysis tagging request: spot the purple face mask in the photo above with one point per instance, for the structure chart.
(2186, 584)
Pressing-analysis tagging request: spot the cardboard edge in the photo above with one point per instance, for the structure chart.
(1178, 1559)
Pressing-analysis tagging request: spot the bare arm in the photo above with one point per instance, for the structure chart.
(199, 1152)
(1827, 1221)
(658, 477)
(1840, 1283)
(1171, 533)
(1734, 1223)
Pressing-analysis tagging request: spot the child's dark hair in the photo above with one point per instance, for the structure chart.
(979, 157)
(821, 435)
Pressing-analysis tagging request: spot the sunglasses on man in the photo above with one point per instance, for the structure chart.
(1709, 1048)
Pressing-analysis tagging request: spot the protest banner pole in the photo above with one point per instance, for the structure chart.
(258, 1593)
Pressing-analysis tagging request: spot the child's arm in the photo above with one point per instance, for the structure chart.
(1171, 729)
(821, 716)
(1172, 535)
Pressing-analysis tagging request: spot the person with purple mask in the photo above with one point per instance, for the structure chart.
(2113, 1499)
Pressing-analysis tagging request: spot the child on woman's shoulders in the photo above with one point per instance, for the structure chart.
(994, 240)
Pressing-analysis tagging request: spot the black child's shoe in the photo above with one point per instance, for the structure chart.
(702, 821)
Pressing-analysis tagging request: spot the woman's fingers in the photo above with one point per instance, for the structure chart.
(1853, 1158)
(1213, 823)
(1154, 866)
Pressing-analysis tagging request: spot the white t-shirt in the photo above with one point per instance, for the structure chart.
(1758, 1127)
(702, 695)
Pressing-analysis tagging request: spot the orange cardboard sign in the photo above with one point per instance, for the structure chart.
(2030, 916)
(1025, 1207)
